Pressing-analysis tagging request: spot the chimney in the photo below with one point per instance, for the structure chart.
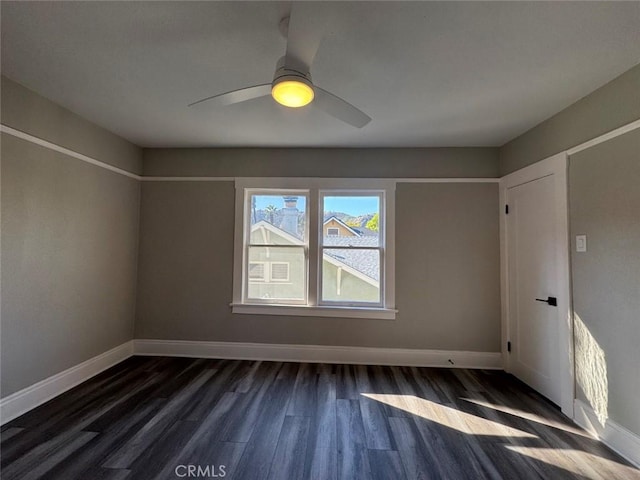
(290, 216)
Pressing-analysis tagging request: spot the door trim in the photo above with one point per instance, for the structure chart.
(556, 166)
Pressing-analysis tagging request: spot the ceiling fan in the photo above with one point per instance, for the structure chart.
(292, 85)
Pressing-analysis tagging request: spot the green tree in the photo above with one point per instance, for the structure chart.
(373, 223)
(270, 210)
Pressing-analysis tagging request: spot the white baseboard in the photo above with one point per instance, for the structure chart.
(28, 398)
(611, 434)
(319, 354)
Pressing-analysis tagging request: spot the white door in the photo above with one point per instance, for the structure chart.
(532, 241)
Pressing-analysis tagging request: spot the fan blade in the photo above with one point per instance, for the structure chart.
(305, 31)
(340, 109)
(237, 96)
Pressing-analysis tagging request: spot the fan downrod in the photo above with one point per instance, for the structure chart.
(283, 27)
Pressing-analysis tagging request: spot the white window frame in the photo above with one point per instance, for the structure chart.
(381, 244)
(337, 230)
(247, 244)
(311, 187)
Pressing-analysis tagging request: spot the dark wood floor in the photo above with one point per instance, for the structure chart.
(152, 417)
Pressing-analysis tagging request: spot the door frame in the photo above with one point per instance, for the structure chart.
(557, 166)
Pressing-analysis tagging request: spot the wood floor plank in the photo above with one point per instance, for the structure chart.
(201, 445)
(8, 433)
(384, 383)
(510, 465)
(324, 414)
(224, 379)
(385, 464)
(103, 384)
(39, 461)
(415, 456)
(99, 473)
(252, 375)
(156, 426)
(84, 461)
(50, 435)
(346, 387)
(439, 442)
(128, 407)
(321, 455)
(322, 464)
(224, 457)
(542, 421)
(289, 457)
(176, 376)
(374, 413)
(146, 416)
(353, 459)
(412, 376)
(157, 456)
(460, 425)
(84, 398)
(258, 455)
(243, 419)
(303, 399)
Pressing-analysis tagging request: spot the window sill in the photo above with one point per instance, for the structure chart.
(318, 311)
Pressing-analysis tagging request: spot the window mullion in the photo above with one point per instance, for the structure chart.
(313, 252)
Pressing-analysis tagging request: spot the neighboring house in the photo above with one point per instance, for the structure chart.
(334, 227)
(347, 274)
(276, 272)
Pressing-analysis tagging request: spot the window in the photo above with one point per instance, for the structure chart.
(276, 237)
(352, 266)
(279, 272)
(321, 247)
(256, 271)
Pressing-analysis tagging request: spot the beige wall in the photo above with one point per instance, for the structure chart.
(29, 112)
(615, 104)
(69, 242)
(322, 162)
(605, 206)
(447, 271)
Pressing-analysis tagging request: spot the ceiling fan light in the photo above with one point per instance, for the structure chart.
(292, 93)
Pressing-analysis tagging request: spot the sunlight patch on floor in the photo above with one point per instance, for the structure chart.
(530, 416)
(447, 416)
(578, 462)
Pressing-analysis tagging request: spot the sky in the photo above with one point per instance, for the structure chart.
(354, 206)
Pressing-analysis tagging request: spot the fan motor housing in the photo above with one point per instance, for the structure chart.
(287, 70)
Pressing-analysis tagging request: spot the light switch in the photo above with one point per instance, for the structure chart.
(581, 243)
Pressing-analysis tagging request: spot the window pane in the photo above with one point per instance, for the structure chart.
(283, 276)
(351, 220)
(351, 275)
(280, 271)
(278, 219)
(256, 271)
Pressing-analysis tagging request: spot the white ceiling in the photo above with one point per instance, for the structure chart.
(428, 73)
